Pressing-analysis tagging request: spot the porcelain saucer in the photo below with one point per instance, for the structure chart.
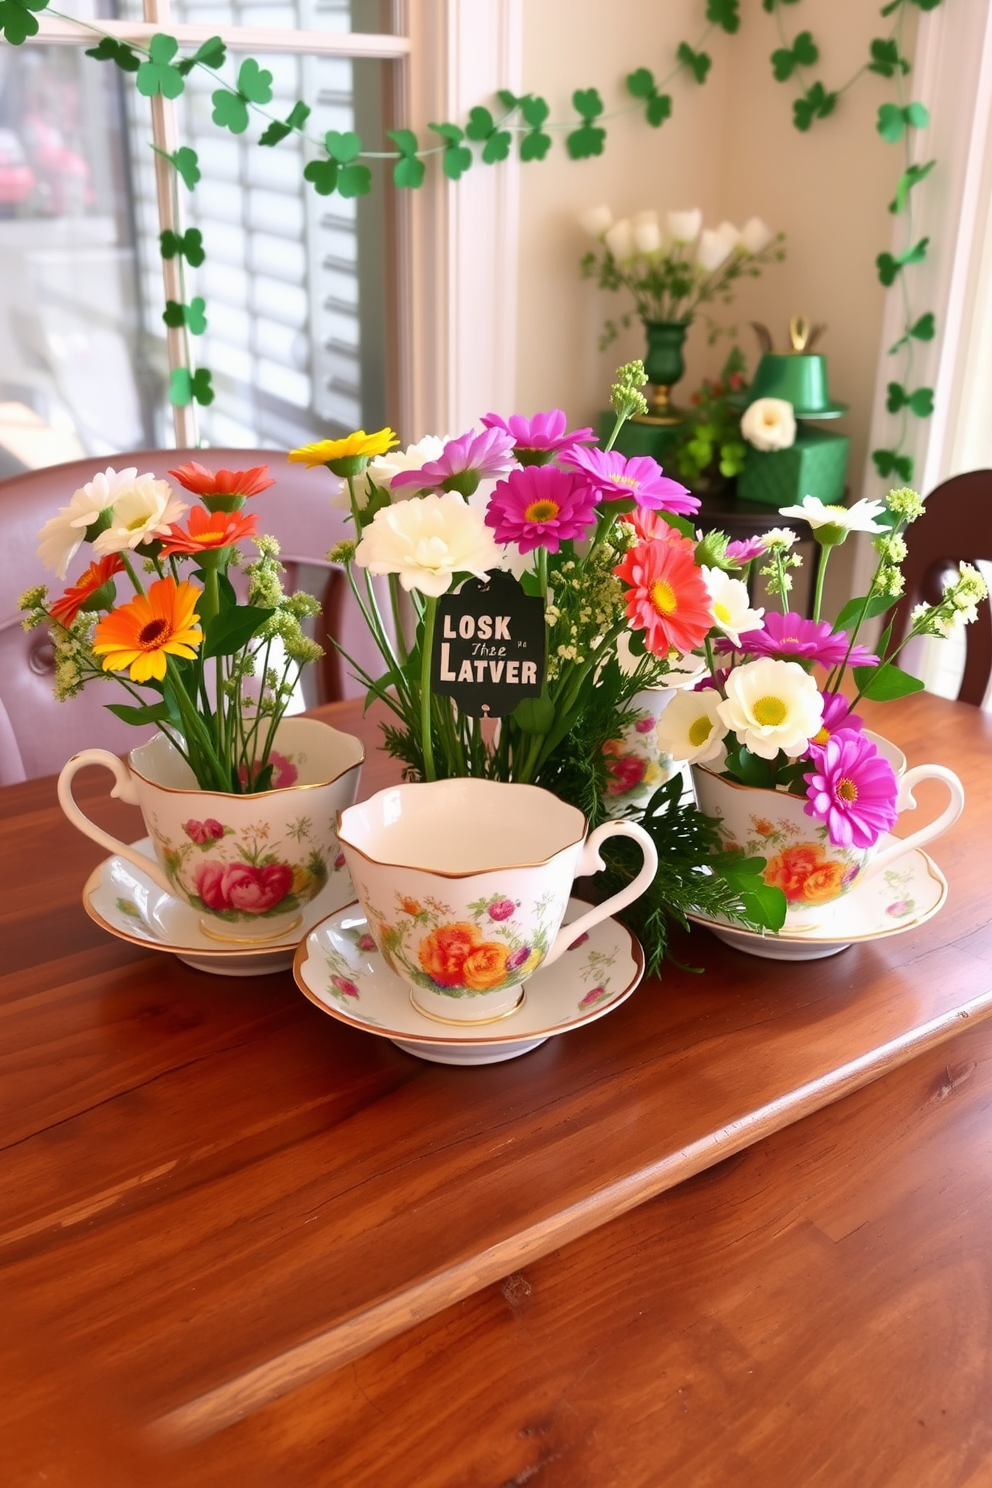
(339, 968)
(126, 903)
(905, 895)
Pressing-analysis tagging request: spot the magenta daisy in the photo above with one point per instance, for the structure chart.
(462, 464)
(639, 477)
(853, 789)
(537, 440)
(792, 637)
(540, 507)
(837, 715)
(746, 549)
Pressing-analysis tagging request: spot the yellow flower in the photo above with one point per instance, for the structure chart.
(352, 453)
(141, 634)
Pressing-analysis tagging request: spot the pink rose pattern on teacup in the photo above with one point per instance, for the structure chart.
(284, 772)
(634, 763)
(239, 877)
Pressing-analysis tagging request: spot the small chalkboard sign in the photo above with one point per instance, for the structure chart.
(488, 649)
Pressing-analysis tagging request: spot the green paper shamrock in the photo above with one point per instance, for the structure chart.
(254, 83)
(187, 164)
(213, 53)
(344, 148)
(909, 178)
(919, 402)
(174, 314)
(589, 138)
(769, 5)
(803, 53)
(279, 130)
(408, 171)
(457, 158)
(641, 84)
(698, 63)
(885, 58)
(816, 104)
(192, 315)
(724, 13)
(16, 21)
(535, 144)
(184, 386)
(110, 50)
(890, 462)
(188, 244)
(889, 265)
(230, 111)
(482, 128)
(157, 75)
(322, 175)
(327, 176)
(893, 120)
(923, 329)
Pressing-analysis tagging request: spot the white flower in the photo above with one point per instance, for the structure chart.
(685, 669)
(619, 239)
(62, 534)
(769, 424)
(691, 729)
(427, 542)
(647, 232)
(833, 523)
(713, 250)
(779, 537)
(730, 605)
(596, 220)
(755, 235)
(772, 705)
(144, 508)
(730, 234)
(683, 227)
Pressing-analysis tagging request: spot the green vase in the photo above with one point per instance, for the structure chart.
(664, 364)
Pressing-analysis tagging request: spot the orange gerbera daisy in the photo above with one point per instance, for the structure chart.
(66, 609)
(209, 530)
(204, 482)
(140, 635)
(666, 596)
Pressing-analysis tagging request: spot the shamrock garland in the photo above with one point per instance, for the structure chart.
(159, 70)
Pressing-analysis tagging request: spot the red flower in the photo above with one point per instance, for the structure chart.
(204, 482)
(666, 596)
(202, 832)
(242, 886)
(626, 773)
(66, 609)
(284, 772)
(209, 530)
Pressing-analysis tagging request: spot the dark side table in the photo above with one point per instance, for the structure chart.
(723, 511)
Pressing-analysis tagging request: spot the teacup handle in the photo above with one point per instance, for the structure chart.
(905, 802)
(124, 790)
(591, 862)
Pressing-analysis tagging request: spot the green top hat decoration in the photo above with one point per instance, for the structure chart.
(799, 376)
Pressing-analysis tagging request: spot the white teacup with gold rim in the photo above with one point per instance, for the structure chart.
(247, 863)
(465, 884)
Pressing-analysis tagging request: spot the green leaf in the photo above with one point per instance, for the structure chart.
(698, 63)
(278, 130)
(534, 145)
(150, 713)
(480, 123)
(534, 109)
(535, 715)
(409, 171)
(587, 104)
(641, 83)
(724, 13)
(187, 164)
(157, 75)
(254, 83)
(909, 178)
(323, 176)
(229, 630)
(752, 769)
(230, 111)
(354, 180)
(659, 109)
(584, 142)
(344, 148)
(885, 682)
(497, 147)
(852, 610)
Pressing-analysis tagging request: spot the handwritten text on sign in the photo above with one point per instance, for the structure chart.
(489, 646)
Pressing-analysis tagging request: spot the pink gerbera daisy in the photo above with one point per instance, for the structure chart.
(853, 789)
(540, 507)
(792, 637)
(837, 715)
(639, 477)
(537, 440)
(462, 464)
(666, 596)
(745, 549)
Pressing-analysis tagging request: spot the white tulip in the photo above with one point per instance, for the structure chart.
(683, 227)
(428, 541)
(620, 240)
(647, 232)
(596, 221)
(772, 705)
(769, 424)
(143, 509)
(755, 235)
(691, 729)
(730, 605)
(713, 249)
(730, 234)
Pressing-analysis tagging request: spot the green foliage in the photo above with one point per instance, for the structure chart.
(457, 157)
(589, 138)
(816, 103)
(279, 129)
(919, 402)
(885, 682)
(189, 245)
(910, 177)
(233, 628)
(139, 717)
(641, 84)
(891, 462)
(852, 611)
(16, 21)
(724, 13)
(698, 63)
(712, 442)
(803, 53)
(885, 58)
(157, 75)
(184, 386)
(118, 52)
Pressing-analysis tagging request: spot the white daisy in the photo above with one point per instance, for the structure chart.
(730, 605)
(144, 508)
(831, 524)
(691, 729)
(772, 705)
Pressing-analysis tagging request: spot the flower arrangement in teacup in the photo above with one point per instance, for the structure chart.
(672, 268)
(193, 659)
(588, 532)
(777, 746)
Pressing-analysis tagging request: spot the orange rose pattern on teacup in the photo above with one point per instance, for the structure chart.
(436, 948)
(808, 872)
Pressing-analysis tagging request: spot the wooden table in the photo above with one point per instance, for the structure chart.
(212, 1198)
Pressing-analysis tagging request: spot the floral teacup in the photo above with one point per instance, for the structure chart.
(247, 864)
(465, 884)
(812, 872)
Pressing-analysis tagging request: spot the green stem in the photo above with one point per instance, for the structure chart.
(820, 574)
(430, 615)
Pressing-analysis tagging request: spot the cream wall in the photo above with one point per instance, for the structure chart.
(729, 148)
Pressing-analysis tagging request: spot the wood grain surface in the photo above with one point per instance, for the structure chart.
(210, 1193)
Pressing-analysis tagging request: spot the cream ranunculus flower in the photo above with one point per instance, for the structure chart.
(755, 235)
(143, 509)
(619, 239)
(831, 524)
(691, 729)
(713, 249)
(730, 605)
(683, 227)
(596, 220)
(427, 541)
(772, 705)
(647, 232)
(769, 424)
(63, 533)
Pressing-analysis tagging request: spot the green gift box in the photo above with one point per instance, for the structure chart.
(816, 465)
